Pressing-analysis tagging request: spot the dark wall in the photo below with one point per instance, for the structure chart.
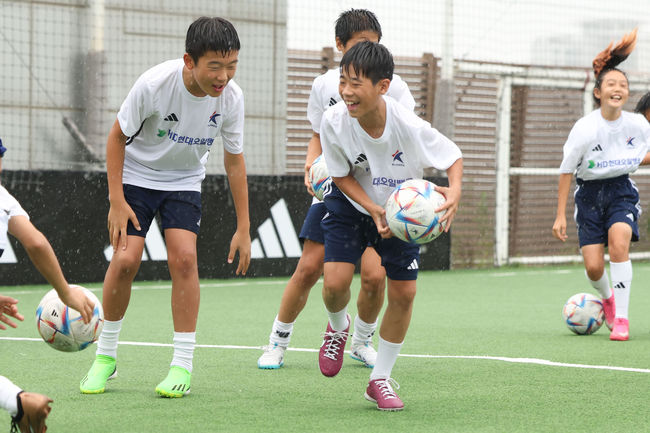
(70, 208)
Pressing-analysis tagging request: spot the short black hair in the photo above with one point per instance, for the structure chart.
(643, 105)
(354, 21)
(211, 34)
(370, 59)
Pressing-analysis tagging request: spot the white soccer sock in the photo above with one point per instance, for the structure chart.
(386, 357)
(339, 321)
(362, 331)
(621, 283)
(280, 333)
(184, 343)
(602, 285)
(107, 342)
(8, 393)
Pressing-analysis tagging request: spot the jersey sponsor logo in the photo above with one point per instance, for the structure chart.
(154, 246)
(171, 118)
(162, 133)
(623, 162)
(598, 148)
(630, 141)
(386, 181)
(190, 141)
(277, 235)
(362, 162)
(397, 158)
(214, 121)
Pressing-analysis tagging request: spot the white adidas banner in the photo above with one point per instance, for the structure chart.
(154, 246)
(277, 236)
(8, 256)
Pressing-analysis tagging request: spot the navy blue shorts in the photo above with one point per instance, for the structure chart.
(311, 228)
(601, 203)
(178, 209)
(348, 232)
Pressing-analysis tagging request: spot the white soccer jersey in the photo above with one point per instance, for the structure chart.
(171, 131)
(325, 93)
(600, 149)
(407, 147)
(9, 207)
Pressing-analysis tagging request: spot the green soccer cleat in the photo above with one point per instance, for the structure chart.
(103, 369)
(176, 384)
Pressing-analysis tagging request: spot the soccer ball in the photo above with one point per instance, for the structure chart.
(62, 327)
(319, 177)
(410, 211)
(583, 313)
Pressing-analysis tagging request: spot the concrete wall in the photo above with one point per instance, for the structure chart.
(56, 63)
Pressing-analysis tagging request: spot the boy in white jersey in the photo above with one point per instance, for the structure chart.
(352, 26)
(602, 149)
(29, 410)
(371, 143)
(156, 156)
(15, 221)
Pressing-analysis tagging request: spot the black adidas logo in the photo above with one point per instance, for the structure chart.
(620, 286)
(332, 102)
(360, 159)
(171, 118)
(282, 334)
(598, 148)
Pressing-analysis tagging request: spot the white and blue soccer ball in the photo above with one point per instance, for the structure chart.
(319, 177)
(63, 328)
(410, 211)
(583, 313)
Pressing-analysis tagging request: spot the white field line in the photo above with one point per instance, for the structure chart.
(534, 361)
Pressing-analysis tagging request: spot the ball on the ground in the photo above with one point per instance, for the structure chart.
(319, 177)
(410, 211)
(63, 328)
(583, 313)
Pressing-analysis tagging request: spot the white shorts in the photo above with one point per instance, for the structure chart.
(9, 208)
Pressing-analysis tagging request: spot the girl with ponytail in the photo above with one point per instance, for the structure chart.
(602, 149)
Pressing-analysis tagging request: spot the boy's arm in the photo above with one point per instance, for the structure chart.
(314, 149)
(452, 192)
(241, 241)
(351, 187)
(559, 226)
(119, 212)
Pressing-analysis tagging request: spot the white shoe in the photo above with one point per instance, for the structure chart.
(364, 352)
(272, 358)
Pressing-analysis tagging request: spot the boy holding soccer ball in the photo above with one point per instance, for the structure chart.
(352, 26)
(371, 144)
(155, 159)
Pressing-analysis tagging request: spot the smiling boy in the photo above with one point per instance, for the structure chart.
(155, 158)
(359, 136)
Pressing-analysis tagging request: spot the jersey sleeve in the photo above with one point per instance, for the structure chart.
(399, 91)
(136, 108)
(335, 158)
(573, 150)
(434, 149)
(315, 106)
(232, 131)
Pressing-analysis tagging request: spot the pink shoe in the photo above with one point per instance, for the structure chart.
(381, 392)
(609, 308)
(621, 330)
(330, 358)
